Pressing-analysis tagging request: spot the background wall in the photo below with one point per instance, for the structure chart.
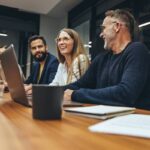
(13, 39)
(49, 28)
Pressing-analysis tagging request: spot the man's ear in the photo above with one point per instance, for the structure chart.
(117, 27)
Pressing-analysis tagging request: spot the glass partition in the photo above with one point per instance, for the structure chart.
(84, 32)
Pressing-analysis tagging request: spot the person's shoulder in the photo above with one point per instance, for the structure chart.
(52, 59)
(138, 43)
(81, 57)
(138, 47)
(137, 51)
(52, 56)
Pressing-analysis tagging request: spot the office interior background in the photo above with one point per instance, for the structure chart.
(21, 19)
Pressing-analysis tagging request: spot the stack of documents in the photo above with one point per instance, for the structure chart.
(132, 125)
(100, 111)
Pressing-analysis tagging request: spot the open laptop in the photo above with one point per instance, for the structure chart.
(12, 74)
(14, 80)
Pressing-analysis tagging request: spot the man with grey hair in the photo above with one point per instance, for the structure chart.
(120, 75)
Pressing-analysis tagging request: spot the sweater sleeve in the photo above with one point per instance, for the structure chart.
(128, 90)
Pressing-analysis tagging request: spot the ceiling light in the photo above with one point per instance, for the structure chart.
(144, 24)
(3, 34)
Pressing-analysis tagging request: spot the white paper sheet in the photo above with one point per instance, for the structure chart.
(132, 125)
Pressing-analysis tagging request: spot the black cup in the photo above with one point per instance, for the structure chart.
(47, 102)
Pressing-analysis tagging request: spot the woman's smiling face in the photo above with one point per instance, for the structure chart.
(65, 43)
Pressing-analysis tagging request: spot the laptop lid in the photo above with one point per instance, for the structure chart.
(13, 77)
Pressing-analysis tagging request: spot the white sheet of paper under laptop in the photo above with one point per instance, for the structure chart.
(100, 111)
(132, 125)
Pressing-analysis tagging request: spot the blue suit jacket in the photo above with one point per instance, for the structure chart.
(48, 73)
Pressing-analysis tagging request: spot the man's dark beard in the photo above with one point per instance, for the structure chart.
(41, 58)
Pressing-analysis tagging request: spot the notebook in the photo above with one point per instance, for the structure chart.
(13, 77)
(100, 111)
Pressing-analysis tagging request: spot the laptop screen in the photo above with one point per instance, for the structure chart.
(13, 77)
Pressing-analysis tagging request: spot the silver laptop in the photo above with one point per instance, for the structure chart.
(13, 77)
(14, 80)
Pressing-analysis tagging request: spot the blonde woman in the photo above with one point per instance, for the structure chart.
(73, 59)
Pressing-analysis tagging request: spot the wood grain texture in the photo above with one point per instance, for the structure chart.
(18, 131)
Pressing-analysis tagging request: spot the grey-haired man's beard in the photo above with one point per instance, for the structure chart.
(41, 57)
(106, 46)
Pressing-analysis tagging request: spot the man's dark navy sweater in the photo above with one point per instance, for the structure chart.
(117, 79)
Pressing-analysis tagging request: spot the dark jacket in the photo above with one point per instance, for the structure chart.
(48, 73)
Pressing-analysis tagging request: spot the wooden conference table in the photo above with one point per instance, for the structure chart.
(18, 131)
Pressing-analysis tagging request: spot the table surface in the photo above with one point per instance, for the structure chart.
(19, 131)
